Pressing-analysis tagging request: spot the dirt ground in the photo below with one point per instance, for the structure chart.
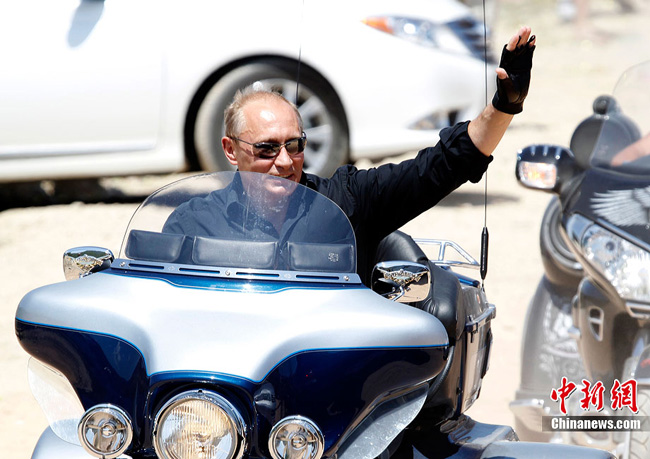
(570, 70)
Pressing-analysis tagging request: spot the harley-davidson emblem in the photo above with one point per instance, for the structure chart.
(403, 277)
(623, 207)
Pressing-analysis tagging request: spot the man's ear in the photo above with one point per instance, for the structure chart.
(228, 149)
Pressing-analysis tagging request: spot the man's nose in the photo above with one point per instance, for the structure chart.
(283, 159)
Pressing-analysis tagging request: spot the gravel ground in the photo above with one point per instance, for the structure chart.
(570, 70)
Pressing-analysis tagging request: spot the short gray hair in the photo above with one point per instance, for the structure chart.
(234, 119)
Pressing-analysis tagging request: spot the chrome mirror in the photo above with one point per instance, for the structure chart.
(545, 167)
(82, 261)
(401, 281)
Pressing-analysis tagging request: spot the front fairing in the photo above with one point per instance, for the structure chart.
(618, 201)
(274, 340)
(331, 355)
(615, 189)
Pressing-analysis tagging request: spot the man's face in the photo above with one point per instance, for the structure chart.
(267, 120)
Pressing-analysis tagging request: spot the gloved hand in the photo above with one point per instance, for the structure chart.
(516, 61)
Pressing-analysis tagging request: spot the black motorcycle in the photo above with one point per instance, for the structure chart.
(589, 319)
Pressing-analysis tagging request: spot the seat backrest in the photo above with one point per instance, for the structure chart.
(233, 253)
(152, 246)
(399, 246)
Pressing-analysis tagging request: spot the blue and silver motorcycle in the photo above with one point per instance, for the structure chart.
(233, 325)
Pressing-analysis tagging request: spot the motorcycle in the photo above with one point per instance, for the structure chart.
(233, 324)
(589, 317)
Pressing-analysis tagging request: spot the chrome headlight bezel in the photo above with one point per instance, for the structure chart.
(105, 431)
(624, 265)
(299, 433)
(236, 425)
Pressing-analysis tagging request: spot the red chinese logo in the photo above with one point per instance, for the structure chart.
(624, 395)
(593, 395)
(562, 394)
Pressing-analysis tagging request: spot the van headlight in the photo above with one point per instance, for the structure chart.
(199, 424)
(625, 265)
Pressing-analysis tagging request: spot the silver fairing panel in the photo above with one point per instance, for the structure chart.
(237, 332)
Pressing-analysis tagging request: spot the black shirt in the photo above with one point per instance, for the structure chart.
(380, 200)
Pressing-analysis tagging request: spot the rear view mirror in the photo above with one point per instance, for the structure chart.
(401, 281)
(82, 261)
(545, 167)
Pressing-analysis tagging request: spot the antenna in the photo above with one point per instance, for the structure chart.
(302, 21)
(484, 234)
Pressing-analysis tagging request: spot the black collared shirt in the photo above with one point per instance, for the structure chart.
(380, 200)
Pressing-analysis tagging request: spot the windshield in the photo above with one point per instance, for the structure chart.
(241, 220)
(624, 141)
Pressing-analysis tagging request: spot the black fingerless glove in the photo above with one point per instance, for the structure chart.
(512, 91)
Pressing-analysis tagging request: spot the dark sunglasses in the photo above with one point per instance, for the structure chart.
(268, 150)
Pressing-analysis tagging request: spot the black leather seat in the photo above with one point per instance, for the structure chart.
(444, 300)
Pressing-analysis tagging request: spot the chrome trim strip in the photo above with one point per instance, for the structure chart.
(237, 273)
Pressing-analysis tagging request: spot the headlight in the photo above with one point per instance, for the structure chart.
(624, 265)
(105, 431)
(420, 32)
(198, 424)
(296, 437)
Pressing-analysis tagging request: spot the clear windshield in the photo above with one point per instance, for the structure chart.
(624, 141)
(242, 220)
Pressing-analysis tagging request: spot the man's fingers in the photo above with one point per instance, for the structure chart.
(519, 38)
(512, 43)
(501, 73)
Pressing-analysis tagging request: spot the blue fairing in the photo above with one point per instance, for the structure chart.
(335, 388)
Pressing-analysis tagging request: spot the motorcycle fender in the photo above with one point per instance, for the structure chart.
(50, 446)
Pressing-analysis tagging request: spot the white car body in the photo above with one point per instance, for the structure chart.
(96, 88)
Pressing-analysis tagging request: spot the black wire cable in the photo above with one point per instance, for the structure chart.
(484, 232)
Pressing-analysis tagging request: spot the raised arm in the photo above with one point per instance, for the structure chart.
(513, 80)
